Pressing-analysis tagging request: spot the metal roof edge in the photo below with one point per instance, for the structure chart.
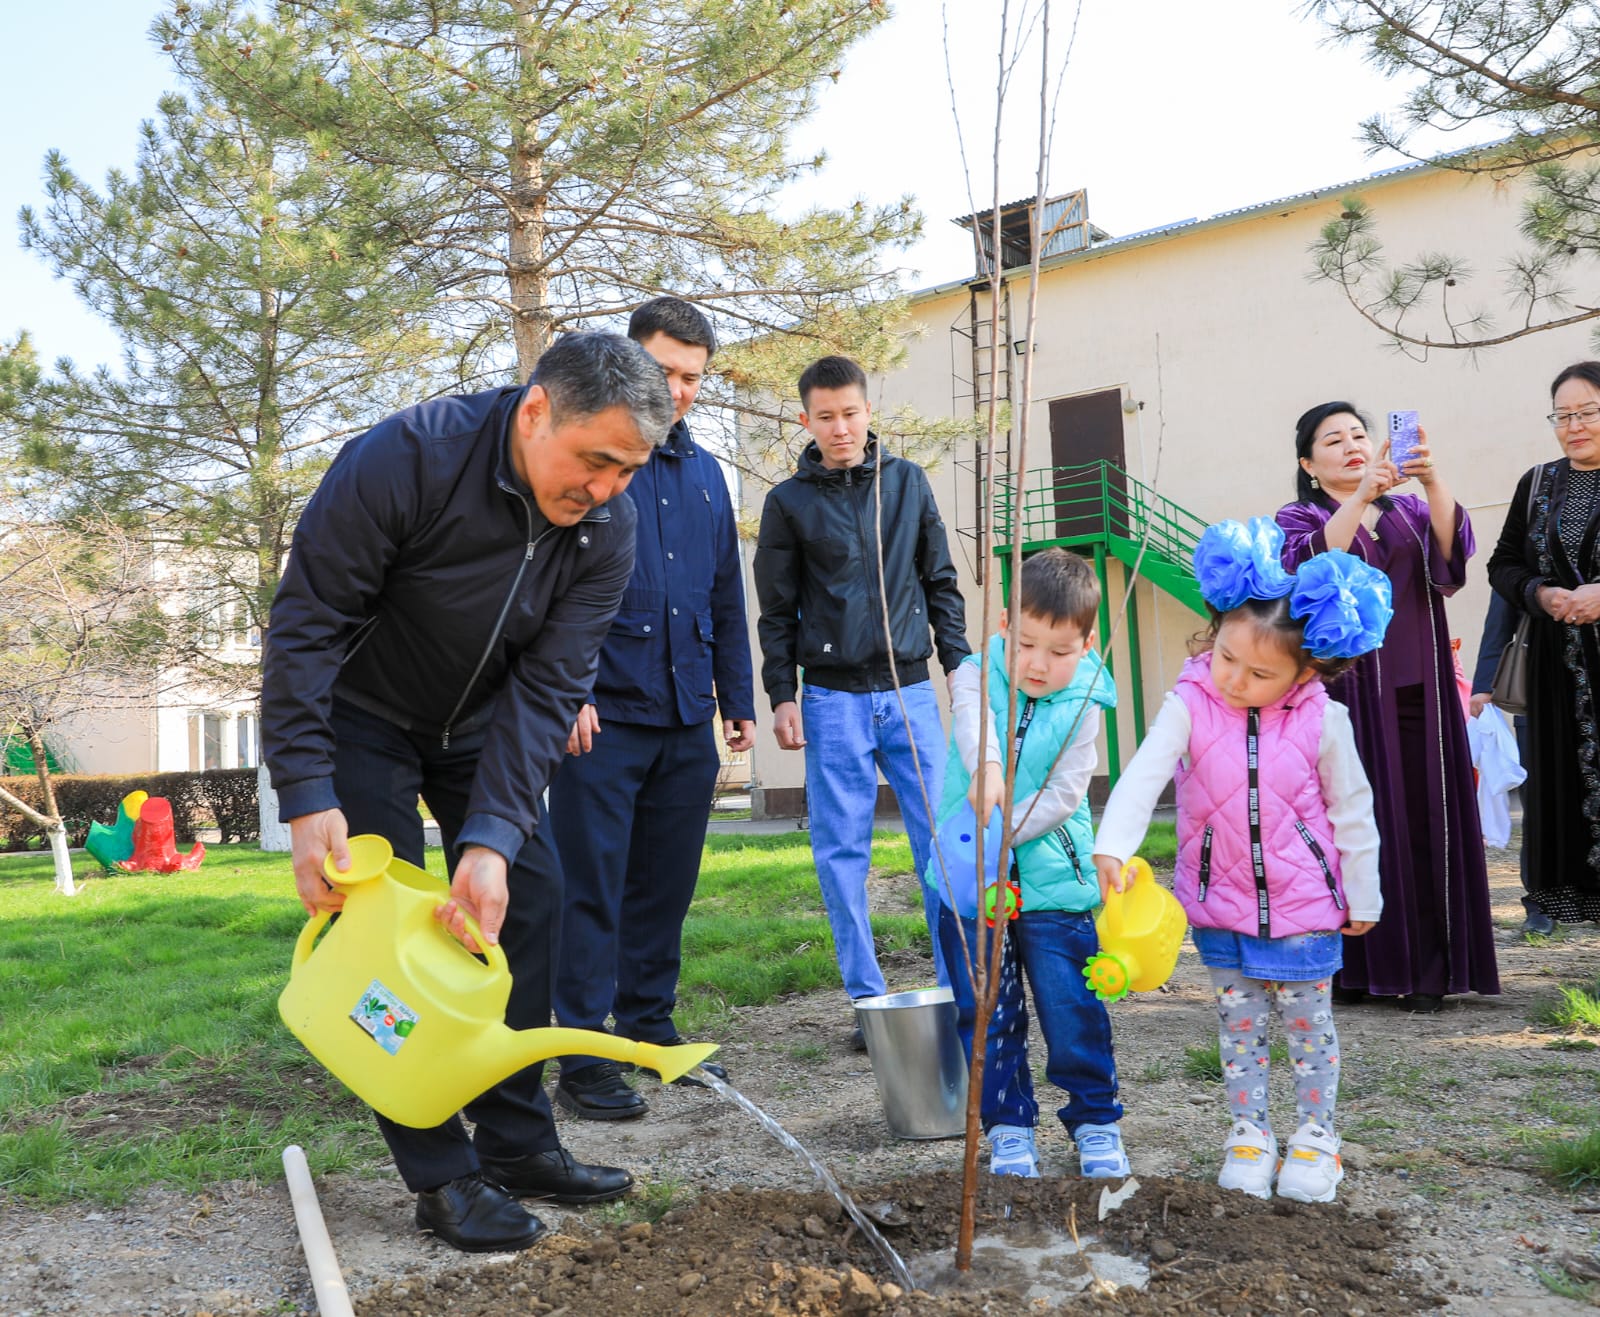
(1163, 232)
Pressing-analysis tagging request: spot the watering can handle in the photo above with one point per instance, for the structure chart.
(1135, 870)
(308, 938)
(303, 944)
(494, 954)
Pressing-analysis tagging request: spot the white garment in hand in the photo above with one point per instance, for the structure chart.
(1494, 755)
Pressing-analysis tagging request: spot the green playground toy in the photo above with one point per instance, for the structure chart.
(114, 845)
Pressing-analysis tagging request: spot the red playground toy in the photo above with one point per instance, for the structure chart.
(154, 845)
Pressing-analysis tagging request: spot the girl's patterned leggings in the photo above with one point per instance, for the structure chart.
(1306, 1013)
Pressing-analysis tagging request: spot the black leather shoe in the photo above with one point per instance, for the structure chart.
(555, 1176)
(1538, 923)
(858, 1040)
(1421, 1003)
(1349, 996)
(477, 1216)
(599, 1092)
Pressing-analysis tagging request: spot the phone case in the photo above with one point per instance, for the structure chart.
(1402, 438)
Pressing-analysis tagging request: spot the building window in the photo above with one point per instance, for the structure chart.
(245, 726)
(211, 740)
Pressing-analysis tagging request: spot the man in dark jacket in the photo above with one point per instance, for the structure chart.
(629, 806)
(434, 634)
(829, 588)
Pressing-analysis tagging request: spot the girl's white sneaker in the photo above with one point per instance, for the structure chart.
(1311, 1166)
(1249, 1158)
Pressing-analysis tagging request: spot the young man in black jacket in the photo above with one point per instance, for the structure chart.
(831, 588)
(434, 634)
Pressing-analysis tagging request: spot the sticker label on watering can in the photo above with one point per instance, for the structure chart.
(385, 1017)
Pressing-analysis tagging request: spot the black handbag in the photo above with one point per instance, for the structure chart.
(1509, 690)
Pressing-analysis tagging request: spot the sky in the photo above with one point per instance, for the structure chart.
(1169, 110)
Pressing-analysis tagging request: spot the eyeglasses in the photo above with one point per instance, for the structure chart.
(1583, 416)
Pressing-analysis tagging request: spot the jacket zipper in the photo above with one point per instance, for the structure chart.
(1316, 850)
(1205, 863)
(1258, 859)
(499, 622)
(872, 577)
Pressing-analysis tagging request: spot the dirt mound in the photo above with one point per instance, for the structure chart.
(1208, 1252)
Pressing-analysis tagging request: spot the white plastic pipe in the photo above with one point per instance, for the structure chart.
(327, 1281)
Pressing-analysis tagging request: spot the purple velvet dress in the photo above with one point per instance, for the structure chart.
(1435, 935)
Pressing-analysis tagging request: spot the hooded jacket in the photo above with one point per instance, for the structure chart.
(816, 575)
(1300, 889)
(1056, 869)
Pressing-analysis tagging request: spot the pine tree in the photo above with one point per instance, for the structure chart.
(582, 156)
(265, 315)
(1527, 68)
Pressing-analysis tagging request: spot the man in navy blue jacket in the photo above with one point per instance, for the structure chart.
(434, 634)
(629, 806)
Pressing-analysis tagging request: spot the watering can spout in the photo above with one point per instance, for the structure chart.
(412, 1022)
(530, 1045)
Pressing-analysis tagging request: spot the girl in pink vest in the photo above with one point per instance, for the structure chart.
(1277, 849)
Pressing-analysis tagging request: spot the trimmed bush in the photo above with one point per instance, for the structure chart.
(224, 798)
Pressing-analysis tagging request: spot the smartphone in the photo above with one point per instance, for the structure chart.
(1402, 438)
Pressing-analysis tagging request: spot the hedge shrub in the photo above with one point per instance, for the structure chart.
(224, 798)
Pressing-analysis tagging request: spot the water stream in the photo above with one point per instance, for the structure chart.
(902, 1273)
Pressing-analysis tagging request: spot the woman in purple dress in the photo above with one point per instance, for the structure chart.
(1435, 936)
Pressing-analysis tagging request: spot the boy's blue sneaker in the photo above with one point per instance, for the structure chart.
(1100, 1152)
(1011, 1151)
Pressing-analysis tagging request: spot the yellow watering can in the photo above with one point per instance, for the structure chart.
(411, 1021)
(1141, 929)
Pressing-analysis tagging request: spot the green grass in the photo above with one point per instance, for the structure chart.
(139, 1035)
(1573, 1163)
(139, 1038)
(1577, 1009)
(1160, 844)
(1206, 1062)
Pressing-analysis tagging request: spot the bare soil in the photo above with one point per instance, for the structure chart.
(1444, 1208)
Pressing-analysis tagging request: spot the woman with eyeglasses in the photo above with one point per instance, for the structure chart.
(1436, 936)
(1547, 564)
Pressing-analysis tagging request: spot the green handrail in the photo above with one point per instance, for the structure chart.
(1100, 504)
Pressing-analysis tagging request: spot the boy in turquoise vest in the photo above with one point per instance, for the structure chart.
(1061, 687)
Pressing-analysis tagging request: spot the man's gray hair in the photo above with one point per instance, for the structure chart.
(585, 374)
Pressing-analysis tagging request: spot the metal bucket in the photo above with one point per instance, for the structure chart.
(918, 1062)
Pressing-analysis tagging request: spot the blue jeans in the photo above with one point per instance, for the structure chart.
(849, 737)
(1051, 948)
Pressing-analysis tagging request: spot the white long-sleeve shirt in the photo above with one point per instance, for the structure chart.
(1053, 804)
(1345, 791)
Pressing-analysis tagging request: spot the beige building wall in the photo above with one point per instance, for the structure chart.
(1219, 339)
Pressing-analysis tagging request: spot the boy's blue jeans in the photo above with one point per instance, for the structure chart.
(1051, 948)
(849, 737)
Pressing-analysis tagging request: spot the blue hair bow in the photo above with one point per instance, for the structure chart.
(1346, 605)
(1234, 562)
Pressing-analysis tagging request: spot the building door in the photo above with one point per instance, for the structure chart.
(1084, 430)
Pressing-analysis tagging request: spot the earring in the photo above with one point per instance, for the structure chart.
(1314, 484)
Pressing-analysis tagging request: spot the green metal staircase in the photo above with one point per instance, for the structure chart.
(1100, 511)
